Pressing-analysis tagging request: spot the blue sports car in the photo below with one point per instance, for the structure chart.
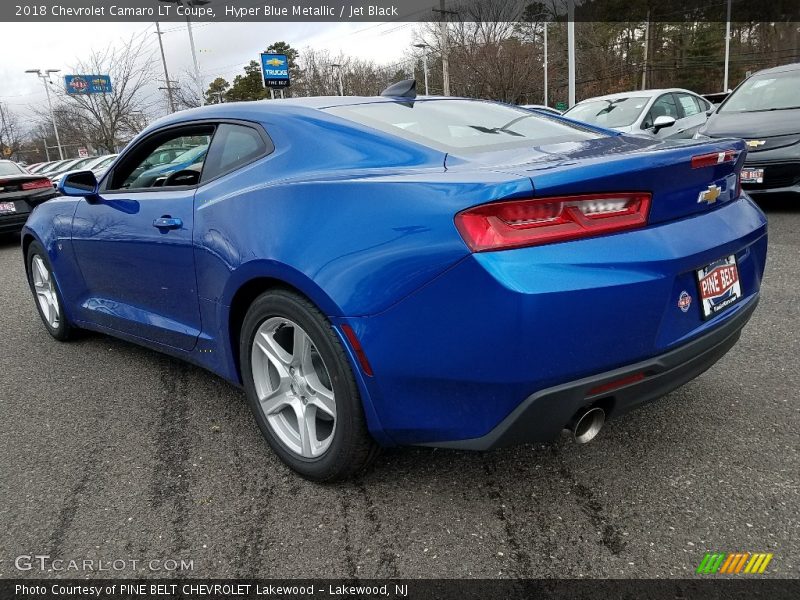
(391, 270)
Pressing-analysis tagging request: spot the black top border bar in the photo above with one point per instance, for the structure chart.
(337, 11)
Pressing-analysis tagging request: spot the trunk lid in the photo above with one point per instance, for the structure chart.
(623, 164)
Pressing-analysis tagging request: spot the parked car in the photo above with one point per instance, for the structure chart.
(542, 108)
(20, 193)
(91, 163)
(56, 164)
(765, 111)
(39, 167)
(669, 113)
(382, 271)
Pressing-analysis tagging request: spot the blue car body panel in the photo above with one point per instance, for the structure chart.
(361, 222)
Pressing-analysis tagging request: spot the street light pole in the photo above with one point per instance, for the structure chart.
(545, 63)
(424, 48)
(727, 46)
(45, 77)
(571, 51)
(341, 85)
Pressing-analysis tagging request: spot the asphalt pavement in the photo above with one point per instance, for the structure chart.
(111, 452)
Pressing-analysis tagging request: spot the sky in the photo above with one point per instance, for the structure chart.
(223, 49)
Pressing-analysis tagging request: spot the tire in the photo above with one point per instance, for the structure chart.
(46, 294)
(300, 370)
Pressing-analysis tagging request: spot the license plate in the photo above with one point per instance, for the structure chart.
(719, 286)
(7, 207)
(752, 175)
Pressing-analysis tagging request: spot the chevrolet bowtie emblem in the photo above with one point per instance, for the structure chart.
(274, 62)
(755, 143)
(710, 195)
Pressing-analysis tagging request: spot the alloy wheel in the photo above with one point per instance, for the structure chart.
(294, 387)
(45, 292)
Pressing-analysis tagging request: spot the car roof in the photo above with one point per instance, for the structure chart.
(258, 109)
(780, 69)
(637, 94)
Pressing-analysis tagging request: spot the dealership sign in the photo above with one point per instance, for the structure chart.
(275, 69)
(87, 84)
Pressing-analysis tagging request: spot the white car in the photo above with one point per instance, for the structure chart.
(667, 113)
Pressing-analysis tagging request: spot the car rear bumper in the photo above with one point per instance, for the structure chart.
(454, 359)
(12, 223)
(541, 416)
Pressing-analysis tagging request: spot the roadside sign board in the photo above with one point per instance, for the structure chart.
(275, 70)
(83, 153)
(562, 106)
(87, 84)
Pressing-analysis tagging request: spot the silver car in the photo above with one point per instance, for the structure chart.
(669, 113)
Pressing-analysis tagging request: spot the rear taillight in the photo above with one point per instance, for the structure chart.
(37, 184)
(713, 158)
(518, 223)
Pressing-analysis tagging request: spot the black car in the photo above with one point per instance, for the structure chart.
(764, 110)
(20, 192)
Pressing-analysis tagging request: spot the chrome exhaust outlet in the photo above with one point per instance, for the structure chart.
(588, 424)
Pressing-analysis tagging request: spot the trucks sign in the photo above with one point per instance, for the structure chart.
(275, 69)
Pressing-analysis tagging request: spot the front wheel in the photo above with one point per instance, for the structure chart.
(45, 291)
(301, 388)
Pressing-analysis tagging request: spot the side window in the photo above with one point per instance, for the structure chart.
(234, 146)
(690, 105)
(664, 106)
(173, 158)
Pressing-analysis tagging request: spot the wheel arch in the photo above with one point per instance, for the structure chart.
(251, 281)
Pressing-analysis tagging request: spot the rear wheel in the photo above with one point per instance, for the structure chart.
(45, 290)
(301, 389)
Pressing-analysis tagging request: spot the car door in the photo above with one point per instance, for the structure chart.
(694, 113)
(664, 105)
(134, 245)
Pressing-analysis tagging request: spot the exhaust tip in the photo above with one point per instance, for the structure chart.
(588, 425)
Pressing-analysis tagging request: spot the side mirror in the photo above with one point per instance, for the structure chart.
(710, 111)
(662, 122)
(80, 183)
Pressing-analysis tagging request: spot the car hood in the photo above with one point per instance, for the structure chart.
(753, 124)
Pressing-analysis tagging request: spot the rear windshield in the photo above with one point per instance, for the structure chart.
(778, 91)
(463, 125)
(616, 112)
(10, 168)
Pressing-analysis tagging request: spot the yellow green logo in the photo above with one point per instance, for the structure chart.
(733, 563)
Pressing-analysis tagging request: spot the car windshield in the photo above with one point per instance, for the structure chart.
(463, 125)
(10, 168)
(612, 112)
(776, 91)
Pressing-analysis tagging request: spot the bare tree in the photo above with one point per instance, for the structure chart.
(108, 119)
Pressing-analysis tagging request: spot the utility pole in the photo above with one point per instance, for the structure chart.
(727, 47)
(545, 63)
(45, 77)
(571, 51)
(198, 80)
(445, 50)
(646, 49)
(166, 72)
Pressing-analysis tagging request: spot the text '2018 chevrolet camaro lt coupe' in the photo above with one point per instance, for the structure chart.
(409, 271)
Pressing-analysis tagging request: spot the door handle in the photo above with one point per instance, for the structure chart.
(167, 222)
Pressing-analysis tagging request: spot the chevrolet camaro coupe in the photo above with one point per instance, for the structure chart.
(395, 270)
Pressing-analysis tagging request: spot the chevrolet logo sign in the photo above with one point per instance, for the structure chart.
(710, 195)
(274, 62)
(755, 143)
